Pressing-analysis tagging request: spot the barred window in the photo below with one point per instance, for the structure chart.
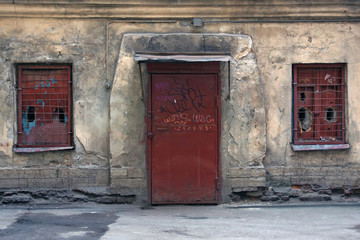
(44, 106)
(319, 104)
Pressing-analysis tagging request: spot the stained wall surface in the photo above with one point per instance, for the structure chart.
(109, 105)
(54, 41)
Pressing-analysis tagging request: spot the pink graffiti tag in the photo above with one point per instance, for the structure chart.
(330, 78)
(177, 118)
(193, 128)
(199, 118)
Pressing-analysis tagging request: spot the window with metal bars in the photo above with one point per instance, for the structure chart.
(44, 106)
(319, 104)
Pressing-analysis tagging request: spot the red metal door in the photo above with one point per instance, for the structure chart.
(184, 138)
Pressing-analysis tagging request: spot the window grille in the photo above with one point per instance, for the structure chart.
(319, 104)
(44, 106)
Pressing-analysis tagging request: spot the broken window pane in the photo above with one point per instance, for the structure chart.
(305, 119)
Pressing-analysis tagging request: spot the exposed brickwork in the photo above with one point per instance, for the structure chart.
(53, 178)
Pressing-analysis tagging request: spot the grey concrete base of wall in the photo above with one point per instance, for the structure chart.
(274, 195)
(297, 194)
(58, 185)
(60, 196)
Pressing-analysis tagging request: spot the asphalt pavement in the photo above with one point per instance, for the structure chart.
(131, 222)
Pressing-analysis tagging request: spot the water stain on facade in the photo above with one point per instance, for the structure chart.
(78, 83)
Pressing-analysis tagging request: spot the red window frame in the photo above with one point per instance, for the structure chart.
(319, 104)
(44, 106)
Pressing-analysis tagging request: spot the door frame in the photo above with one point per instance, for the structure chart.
(181, 68)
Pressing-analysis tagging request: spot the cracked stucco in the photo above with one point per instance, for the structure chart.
(256, 119)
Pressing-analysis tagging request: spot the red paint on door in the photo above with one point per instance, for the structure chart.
(184, 138)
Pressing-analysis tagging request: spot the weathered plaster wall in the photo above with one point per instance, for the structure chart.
(164, 9)
(277, 47)
(265, 56)
(80, 43)
(308, 43)
(243, 115)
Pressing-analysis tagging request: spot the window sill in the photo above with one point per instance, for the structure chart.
(40, 149)
(298, 148)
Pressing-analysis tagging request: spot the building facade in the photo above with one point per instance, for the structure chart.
(179, 101)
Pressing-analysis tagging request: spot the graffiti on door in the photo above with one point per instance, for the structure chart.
(182, 98)
(184, 107)
(183, 122)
